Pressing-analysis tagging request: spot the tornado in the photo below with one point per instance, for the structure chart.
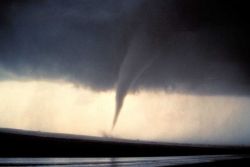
(136, 62)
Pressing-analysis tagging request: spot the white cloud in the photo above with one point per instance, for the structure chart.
(59, 106)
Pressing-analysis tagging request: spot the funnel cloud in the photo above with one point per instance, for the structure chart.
(134, 65)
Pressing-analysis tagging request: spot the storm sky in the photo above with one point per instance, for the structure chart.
(195, 49)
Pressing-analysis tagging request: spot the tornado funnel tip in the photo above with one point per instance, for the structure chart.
(115, 120)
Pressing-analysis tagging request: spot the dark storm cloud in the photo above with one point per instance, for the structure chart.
(198, 46)
(78, 40)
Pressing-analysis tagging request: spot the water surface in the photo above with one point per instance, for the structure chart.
(112, 162)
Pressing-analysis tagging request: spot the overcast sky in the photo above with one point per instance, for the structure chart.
(193, 48)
